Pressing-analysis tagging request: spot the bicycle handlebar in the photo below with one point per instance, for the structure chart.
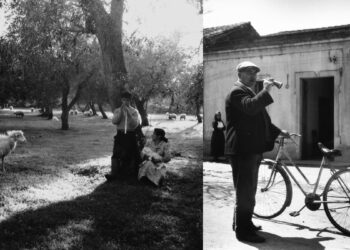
(288, 137)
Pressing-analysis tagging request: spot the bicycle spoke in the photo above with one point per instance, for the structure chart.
(334, 196)
(337, 201)
(343, 186)
(335, 208)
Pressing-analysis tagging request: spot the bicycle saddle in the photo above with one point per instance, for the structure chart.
(329, 153)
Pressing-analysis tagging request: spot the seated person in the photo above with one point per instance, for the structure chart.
(155, 153)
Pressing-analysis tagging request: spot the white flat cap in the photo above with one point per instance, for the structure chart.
(246, 64)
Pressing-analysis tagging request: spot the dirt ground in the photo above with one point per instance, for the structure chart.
(54, 194)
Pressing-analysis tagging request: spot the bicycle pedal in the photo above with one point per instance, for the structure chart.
(294, 214)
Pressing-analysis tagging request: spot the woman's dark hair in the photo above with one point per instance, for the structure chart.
(161, 133)
(126, 94)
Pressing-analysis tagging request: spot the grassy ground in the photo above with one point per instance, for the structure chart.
(54, 195)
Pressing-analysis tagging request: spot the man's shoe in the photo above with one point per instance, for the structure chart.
(255, 228)
(250, 237)
(251, 227)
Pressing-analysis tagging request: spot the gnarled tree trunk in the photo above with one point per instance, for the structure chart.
(92, 106)
(47, 112)
(172, 101)
(65, 110)
(198, 110)
(103, 113)
(109, 33)
(65, 92)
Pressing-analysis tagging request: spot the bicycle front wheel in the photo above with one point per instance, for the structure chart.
(336, 199)
(274, 191)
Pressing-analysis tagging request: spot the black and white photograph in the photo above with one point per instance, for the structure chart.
(101, 124)
(276, 124)
(175, 124)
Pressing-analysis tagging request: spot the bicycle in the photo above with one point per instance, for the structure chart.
(274, 192)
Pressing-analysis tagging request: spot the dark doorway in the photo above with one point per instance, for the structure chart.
(317, 107)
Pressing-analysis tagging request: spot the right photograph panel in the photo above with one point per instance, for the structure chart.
(276, 121)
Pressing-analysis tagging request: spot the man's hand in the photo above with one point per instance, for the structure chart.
(122, 107)
(268, 83)
(285, 133)
(125, 110)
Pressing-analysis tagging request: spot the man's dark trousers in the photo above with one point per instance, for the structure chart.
(245, 168)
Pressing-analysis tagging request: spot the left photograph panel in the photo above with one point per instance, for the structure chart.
(101, 133)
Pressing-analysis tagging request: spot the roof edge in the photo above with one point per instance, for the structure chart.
(291, 32)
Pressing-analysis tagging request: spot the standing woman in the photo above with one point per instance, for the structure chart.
(218, 137)
(126, 149)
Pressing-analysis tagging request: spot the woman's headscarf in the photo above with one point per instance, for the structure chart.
(161, 133)
(215, 116)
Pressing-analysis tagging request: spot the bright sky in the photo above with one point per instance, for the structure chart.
(271, 16)
(158, 18)
(165, 17)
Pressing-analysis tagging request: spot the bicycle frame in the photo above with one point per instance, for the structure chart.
(336, 190)
(282, 152)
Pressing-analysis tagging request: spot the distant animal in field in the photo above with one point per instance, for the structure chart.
(73, 112)
(32, 110)
(88, 112)
(19, 114)
(8, 143)
(172, 116)
(11, 107)
(182, 117)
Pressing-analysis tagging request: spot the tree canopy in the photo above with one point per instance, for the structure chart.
(54, 54)
(59, 51)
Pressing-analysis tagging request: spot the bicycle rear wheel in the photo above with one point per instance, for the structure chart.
(274, 191)
(336, 199)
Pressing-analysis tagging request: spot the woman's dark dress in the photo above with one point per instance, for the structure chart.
(218, 140)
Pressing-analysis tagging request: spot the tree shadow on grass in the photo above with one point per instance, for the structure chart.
(112, 214)
(115, 215)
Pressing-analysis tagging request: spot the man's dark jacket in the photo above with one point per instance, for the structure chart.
(249, 127)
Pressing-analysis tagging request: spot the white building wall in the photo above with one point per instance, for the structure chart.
(287, 64)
